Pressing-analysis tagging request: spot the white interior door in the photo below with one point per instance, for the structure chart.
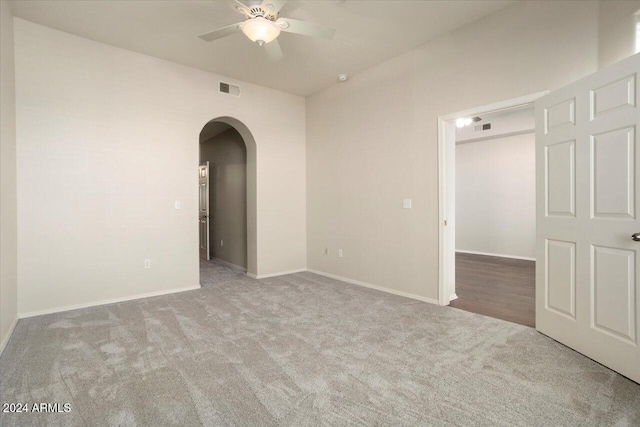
(203, 209)
(588, 190)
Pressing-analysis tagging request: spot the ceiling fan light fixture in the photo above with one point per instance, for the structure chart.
(260, 30)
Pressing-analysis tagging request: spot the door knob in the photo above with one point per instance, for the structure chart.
(635, 237)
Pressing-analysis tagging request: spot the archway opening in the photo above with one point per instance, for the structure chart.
(227, 195)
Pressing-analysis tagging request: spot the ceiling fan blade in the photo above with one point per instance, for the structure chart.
(221, 32)
(305, 28)
(274, 51)
(273, 6)
(239, 7)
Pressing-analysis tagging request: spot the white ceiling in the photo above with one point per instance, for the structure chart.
(368, 32)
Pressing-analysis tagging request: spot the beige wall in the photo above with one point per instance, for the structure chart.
(227, 156)
(107, 141)
(496, 196)
(372, 141)
(617, 34)
(8, 220)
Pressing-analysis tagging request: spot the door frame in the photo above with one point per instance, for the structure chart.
(207, 210)
(446, 195)
(252, 269)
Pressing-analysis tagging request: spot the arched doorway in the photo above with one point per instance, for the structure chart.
(225, 185)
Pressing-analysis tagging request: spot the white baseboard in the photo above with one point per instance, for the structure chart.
(228, 264)
(453, 297)
(103, 302)
(281, 273)
(376, 287)
(6, 339)
(498, 255)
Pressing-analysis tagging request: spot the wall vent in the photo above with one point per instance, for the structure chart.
(229, 89)
(483, 127)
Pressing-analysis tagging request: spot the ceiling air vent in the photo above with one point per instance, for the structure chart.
(480, 128)
(229, 89)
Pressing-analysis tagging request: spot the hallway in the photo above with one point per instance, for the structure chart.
(503, 288)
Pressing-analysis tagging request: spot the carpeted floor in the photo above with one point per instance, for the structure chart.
(301, 350)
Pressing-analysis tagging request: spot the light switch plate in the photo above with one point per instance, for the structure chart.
(406, 203)
(178, 204)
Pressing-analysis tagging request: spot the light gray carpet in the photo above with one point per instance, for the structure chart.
(301, 350)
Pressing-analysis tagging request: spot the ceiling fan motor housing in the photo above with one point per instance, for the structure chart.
(256, 9)
(265, 14)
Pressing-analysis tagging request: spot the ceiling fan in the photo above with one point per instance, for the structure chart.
(263, 25)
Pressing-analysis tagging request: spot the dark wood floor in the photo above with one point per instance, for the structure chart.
(503, 288)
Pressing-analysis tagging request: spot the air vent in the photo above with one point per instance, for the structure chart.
(229, 89)
(483, 127)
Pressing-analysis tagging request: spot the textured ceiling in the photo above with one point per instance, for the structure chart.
(368, 32)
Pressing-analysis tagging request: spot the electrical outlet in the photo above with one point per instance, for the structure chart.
(326, 251)
(147, 263)
(406, 203)
(221, 242)
(340, 253)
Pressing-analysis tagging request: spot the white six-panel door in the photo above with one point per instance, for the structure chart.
(588, 190)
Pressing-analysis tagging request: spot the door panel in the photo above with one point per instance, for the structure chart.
(203, 209)
(587, 193)
(561, 278)
(619, 94)
(613, 173)
(560, 114)
(560, 178)
(612, 287)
